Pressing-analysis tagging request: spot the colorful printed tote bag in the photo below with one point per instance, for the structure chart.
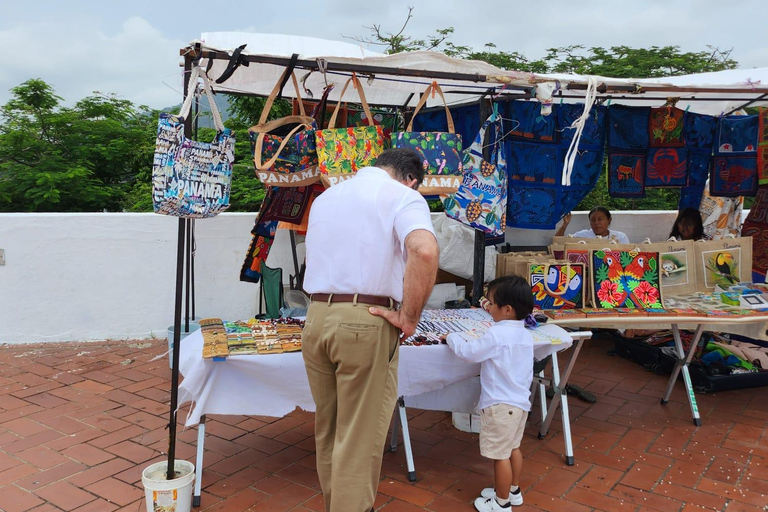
(481, 201)
(284, 151)
(625, 279)
(263, 235)
(723, 262)
(440, 152)
(192, 179)
(342, 151)
(557, 285)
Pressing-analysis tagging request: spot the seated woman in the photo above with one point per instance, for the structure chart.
(688, 226)
(599, 221)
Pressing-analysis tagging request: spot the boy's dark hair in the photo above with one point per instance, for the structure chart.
(512, 291)
(405, 162)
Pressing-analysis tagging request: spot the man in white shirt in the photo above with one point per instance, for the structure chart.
(370, 247)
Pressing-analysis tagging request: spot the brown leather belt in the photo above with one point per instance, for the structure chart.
(376, 300)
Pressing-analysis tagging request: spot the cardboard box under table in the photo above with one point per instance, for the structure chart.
(275, 384)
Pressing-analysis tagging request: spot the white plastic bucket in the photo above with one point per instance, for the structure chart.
(193, 326)
(164, 495)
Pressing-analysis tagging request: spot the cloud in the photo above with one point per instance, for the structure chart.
(76, 58)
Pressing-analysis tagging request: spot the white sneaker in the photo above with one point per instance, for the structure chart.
(489, 505)
(514, 499)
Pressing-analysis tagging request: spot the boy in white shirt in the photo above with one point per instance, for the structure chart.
(506, 374)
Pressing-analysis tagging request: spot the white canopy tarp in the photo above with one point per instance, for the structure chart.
(733, 87)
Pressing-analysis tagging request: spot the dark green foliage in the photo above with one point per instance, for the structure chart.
(84, 158)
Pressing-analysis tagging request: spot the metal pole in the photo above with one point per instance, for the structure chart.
(478, 274)
(191, 227)
(177, 314)
(193, 248)
(188, 254)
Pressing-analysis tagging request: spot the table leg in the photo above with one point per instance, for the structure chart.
(542, 395)
(199, 462)
(406, 440)
(561, 398)
(681, 364)
(539, 387)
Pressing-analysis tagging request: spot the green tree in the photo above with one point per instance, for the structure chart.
(627, 62)
(84, 158)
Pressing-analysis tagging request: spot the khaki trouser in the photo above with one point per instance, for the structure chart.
(351, 358)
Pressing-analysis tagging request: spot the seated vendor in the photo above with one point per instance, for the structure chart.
(599, 221)
(688, 226)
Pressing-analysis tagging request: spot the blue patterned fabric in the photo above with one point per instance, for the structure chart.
(666, 167)
(586, 169)
(593, 133)
(534, 206)
(628, 127)
(534, 162)
(690, 197)
(734, 176)
(626, 175)
(737, 134)
(699, 130)
(528, 123)
(699, 161)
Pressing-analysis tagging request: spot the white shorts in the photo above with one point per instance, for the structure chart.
(501, 430)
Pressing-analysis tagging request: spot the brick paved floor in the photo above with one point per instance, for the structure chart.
(79, 421)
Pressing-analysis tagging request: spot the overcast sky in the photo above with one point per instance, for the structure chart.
(132, 48)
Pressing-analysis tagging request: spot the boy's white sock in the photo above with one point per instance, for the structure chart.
(501, 501)
(514, 489)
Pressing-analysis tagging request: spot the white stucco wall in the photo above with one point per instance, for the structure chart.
(96, 276)
(112, 275)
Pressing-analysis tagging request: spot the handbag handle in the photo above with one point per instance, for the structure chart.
(260, 145)
(356, 84)
(567, 277)
(187, 105)
(274, 93)
(432, 88)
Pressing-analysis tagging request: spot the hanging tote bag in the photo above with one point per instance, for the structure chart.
(192, 179)
(625, 279)
(481, 201)
(723, 262)
(440, 152)
(342, 151)
(676, 265)
(284, 149)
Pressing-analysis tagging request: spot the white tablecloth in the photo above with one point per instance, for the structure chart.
(275, 384)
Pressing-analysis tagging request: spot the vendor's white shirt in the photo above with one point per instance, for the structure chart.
(617, 235)
(505, 352)
(356, 235)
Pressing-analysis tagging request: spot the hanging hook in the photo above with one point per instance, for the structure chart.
(322, 66)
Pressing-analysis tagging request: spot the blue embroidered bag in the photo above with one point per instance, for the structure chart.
(481, 201)
(440, 152)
